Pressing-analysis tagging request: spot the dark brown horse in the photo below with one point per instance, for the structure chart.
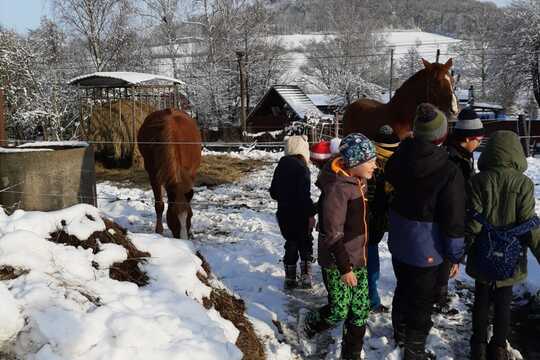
(433, 84)
(170, 144)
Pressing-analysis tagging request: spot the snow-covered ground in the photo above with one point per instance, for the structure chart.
(235, 229)
(65, 309)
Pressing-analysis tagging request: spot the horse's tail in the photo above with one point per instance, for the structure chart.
(181, 144)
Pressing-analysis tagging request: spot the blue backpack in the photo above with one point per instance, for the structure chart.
(498, 249)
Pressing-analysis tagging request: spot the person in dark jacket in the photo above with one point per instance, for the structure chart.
(427, 219)
(291, 188)
(343, 245)
(379, 196)
(465, 139)
(504, 196)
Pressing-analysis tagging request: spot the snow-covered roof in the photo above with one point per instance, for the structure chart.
(121, 79)
(326, 99)
(298, 101)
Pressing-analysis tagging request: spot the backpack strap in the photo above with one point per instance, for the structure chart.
(525, 227)
(475, 215)
(516, 231)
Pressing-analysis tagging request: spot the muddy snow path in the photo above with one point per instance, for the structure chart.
(235, 229)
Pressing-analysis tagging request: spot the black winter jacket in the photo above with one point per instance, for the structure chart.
(291, 187)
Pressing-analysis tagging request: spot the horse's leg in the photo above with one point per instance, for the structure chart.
(172, 212)
(159, 205)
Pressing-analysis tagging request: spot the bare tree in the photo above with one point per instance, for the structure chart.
(104, 26)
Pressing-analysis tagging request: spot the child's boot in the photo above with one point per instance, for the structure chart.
(305, 275)
(290, 277)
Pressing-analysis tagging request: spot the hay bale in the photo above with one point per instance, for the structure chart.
(112, 124)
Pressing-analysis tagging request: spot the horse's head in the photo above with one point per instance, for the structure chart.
(440, 87)
(179, 213)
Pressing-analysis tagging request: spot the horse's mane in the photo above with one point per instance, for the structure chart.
(404, 90)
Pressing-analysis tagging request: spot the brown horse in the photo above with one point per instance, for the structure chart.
(433, 84)
(170, 144)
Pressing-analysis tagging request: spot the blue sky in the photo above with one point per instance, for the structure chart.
(22, 15)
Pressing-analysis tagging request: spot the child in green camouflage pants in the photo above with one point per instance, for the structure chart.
(343, 245)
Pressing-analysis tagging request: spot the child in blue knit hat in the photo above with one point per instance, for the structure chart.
(343, 245)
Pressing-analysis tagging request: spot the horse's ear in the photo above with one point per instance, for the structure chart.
(426, 63)
(449, 64)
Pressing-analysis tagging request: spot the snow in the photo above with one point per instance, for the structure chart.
(131, 78)
(426, 44)
(10, 315)
(18, 150)
(54, 144)
(64, 308)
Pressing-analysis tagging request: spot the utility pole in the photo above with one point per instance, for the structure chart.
(243, 115)
(391, 74)
(2, 119)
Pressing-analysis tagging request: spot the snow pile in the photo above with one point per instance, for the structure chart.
(65, 308)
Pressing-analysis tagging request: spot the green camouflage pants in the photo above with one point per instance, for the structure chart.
(344, 302)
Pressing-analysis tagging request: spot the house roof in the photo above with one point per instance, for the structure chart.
(296, 99)
(121, 79)
(326, 99)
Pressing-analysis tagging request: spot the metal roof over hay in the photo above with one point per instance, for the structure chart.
(121, 79)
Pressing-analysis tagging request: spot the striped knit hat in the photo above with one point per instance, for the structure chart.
(430, 124)
(469, 124)
(386, 138)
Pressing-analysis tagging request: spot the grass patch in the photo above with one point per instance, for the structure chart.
(215, 170)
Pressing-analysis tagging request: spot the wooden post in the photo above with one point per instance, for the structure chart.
(3, 136)
(438, 56)
(391, 74)
(243, 115)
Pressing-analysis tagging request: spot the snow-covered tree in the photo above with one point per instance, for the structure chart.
(347, 64)
(517, 58)
(409, 64)
(38, 102)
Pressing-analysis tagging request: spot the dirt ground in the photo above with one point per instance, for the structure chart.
(215, 170)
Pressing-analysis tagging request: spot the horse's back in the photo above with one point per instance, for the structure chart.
(365, 116)
(170, 143)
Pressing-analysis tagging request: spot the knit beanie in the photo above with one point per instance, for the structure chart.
(356, 149)
(386, 138)
(468, 124)
(297, 145)
(430, 124)
(320, 151)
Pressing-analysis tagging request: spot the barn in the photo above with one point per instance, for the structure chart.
(284, 104)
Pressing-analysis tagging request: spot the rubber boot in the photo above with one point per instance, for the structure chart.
(305, 275)
(496, 352)
(290, 277)
(478, 350)
(353, 341)
(415, 345)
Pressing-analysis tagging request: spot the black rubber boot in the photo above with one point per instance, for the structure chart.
(399, 331)
(305, 275)
(290, 277)
(353, 341)
(496, 352)
(415, 345)
(478, 350)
